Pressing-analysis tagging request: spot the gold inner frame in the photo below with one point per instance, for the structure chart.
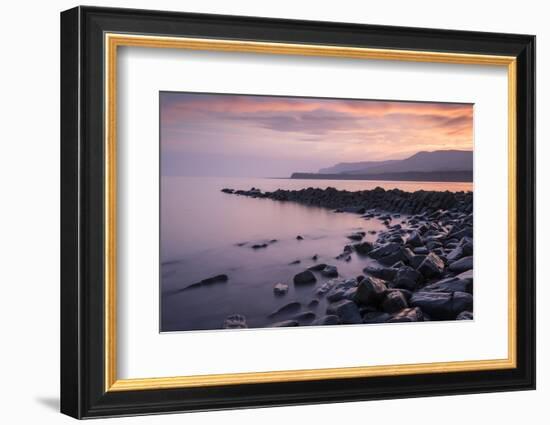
(113, 41)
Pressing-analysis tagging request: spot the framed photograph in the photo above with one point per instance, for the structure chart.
(261, 212)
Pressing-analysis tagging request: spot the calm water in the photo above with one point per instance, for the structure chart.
(201, 228)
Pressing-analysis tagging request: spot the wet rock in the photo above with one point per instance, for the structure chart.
(462, 265)
(294, 262)
(330, 271)
(357, 236)
(305, 317)
(450, 284)
(235, 321)
(315, 257)
(227, 190)
(299, 238)
(406, 278)
(382, 272)
(363, 248)
(395, 301)
(285, 324)
(370, 291)
(462, 301)
(336, 294)
(385, 250)
(437, 304)
(407, 315)
(288, 308)
(331, 319)
(414, 240)
(376, 317)
(313, 303)
(422, 250)
(221, 278)
(280, 289)
(465, 315)
(304, 278)
(259, 246)
(416, 260)
(346, 310)
(317, 267)
(432, 266)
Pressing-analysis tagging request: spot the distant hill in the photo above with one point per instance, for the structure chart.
(430, 176)
(443, 160)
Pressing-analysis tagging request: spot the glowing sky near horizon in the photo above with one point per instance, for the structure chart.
(261, 136)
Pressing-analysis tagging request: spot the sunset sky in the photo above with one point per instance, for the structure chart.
(267, 136)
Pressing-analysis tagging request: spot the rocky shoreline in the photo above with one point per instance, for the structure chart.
(420, 268)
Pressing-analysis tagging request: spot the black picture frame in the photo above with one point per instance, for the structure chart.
(83, 392)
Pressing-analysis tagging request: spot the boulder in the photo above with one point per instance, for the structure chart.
(235, 321)
(462, 301)
(305, 317)
(346, 310)
(363, 248)
(287, 308)
(450, 284)
(395, 301)
(462, 265)
(370, 291)
(385, 250)
(285, 324)
(280, 289)
(313, 303)
(431, 266)
(406, 278)
(317, 267)
(304, 278)
(331, 319)
(376, 270)
(330, 271)
(221, 278)
(438, 305)
(376, 317)
(357, 236)
(407, 315)
(414, 240)
(422, 250)
(465, 315)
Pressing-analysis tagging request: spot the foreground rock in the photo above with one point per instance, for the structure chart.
(370, 291)
(235, 321)
(221, 278)
(280, 289)
(304, 278)
(288, 308)
(346, 310)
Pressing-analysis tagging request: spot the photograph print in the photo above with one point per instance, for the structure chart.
(301, 211)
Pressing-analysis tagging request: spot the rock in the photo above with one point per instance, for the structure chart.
(330, 271)
(395, 301)
(331, 319)
(346, 310)
(462, 265)
(294, 262)
(467, 244)
(357, 236)
(304, 278)
(285, 324)
(305, 317)
(280, 288)
(313, 303)
(422, 250)
(336, 294)
(227, 190)
(455, 254)
(442, 305)
(414, 240)
(432, 266)
(416, 260)
(450, 284)
(467, 275)
(299, 238)
(379, 271)
(462, 301)
(235, 321)
(259, 246)
(370, 291)
(363, 248)
(406, 278)
(317, 267)
(315, 257)
(273, 241)
(385, 250)
(407, 315)
(376, 317)
(221, 278)
(288, 308)
(465, 315)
